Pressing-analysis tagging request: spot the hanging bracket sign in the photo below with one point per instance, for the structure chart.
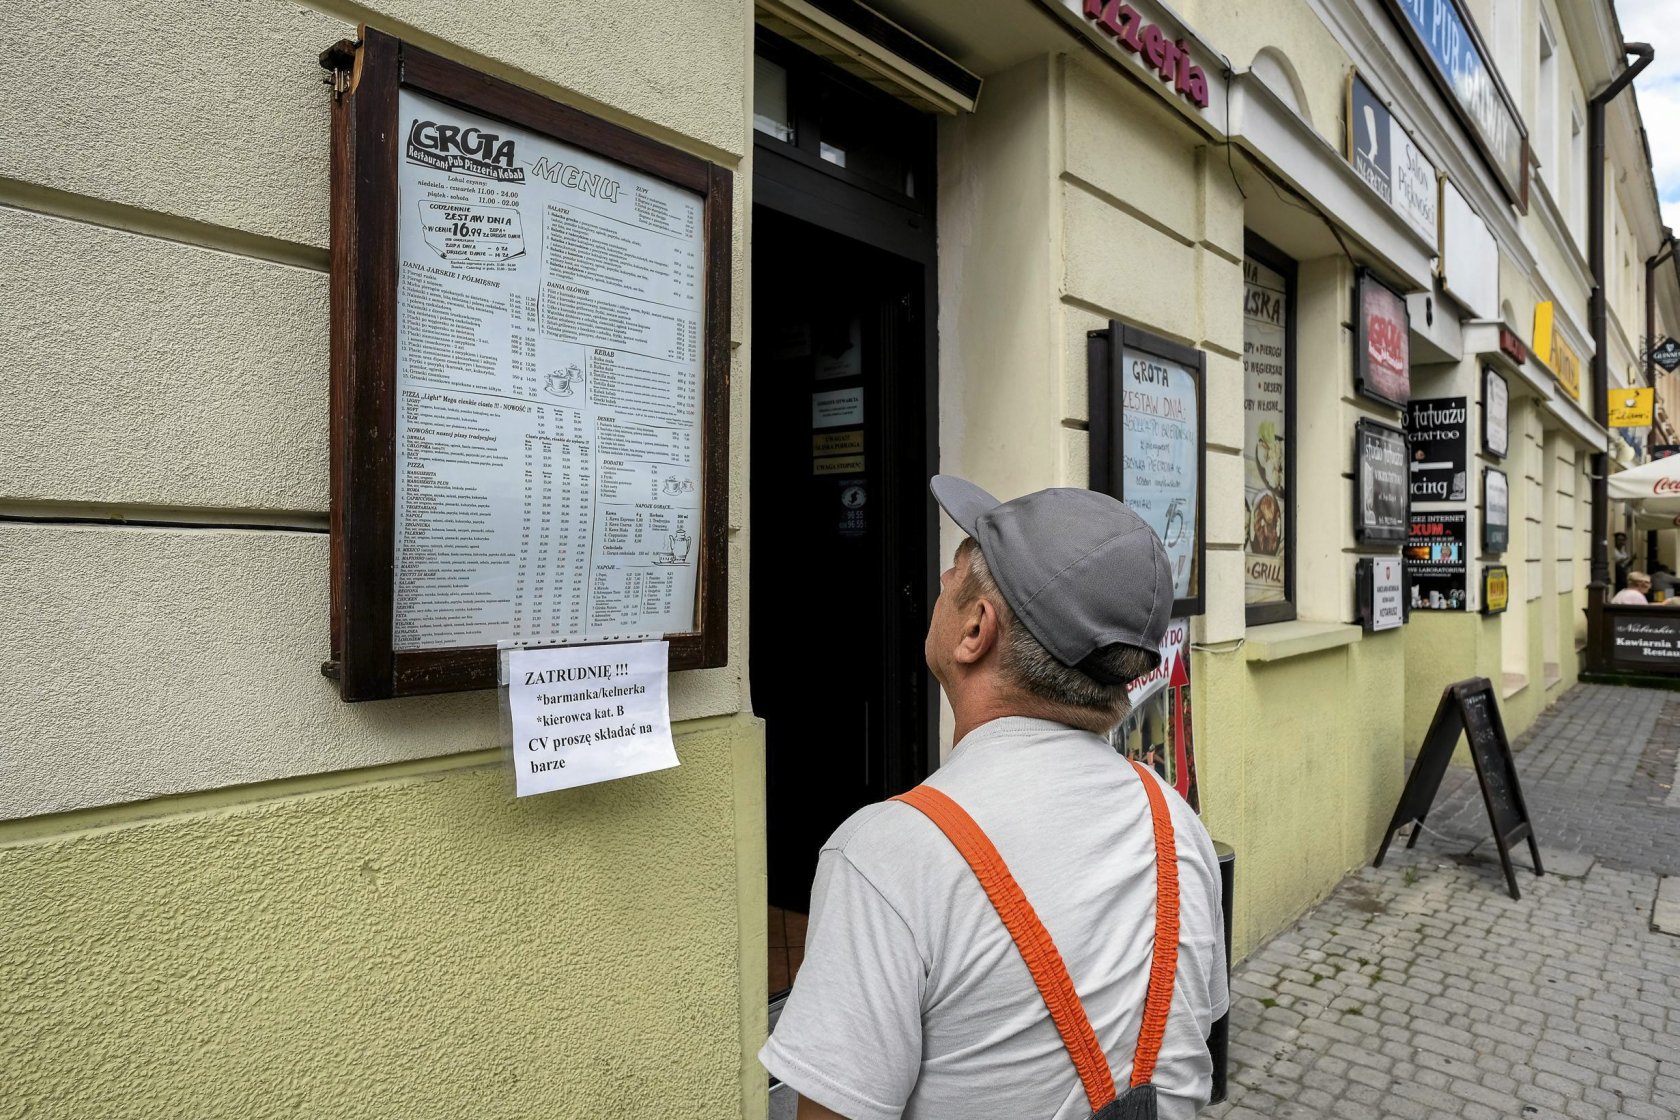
(530, 377)
(1667, 354)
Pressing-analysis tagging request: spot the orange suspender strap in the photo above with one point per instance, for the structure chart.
(1165, 963)
(1031, 938)
(1033, 941)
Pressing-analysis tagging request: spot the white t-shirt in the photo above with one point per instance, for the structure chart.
(913, 1001)
(1629, 596)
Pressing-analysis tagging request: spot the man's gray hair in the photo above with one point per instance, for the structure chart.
(1030, 667)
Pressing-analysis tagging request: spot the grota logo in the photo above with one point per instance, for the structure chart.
(1169, 59)
(470, 151)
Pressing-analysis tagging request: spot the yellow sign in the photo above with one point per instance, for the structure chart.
(1632, 408)
(1550, 347)
(836, 443)
(1496, 589)
(843, 464)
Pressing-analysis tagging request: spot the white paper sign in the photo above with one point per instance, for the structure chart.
(836, 408)
(1388, 608)
(584, 714)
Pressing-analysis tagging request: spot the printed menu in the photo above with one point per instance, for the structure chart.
(549, 325)
(1160, 456)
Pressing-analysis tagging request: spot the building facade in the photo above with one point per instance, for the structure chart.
(1002, 240)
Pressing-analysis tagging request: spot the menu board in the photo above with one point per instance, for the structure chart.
(1468, 708)
(1162, 456)
(530, 356)
(1146, 445)
(1265, 433)
(548, 380)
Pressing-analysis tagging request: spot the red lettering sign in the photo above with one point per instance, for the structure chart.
(1666, 486)
(1512, 346)
(1170, 60)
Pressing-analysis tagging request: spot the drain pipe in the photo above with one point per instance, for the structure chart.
(1643, 53)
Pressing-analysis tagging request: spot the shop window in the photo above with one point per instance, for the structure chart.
(1269, 303)
(1578, 175)
(838, 123)
(1546, 108)
(1506, 26)
(770, 100)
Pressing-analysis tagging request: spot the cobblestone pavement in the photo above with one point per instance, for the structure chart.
(1421, 990)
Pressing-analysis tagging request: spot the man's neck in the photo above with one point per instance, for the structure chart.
(975, 712)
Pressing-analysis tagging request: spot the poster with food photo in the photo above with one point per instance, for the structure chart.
(1265, 431)
(1382, 362)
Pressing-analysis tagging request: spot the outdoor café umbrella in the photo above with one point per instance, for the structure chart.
(1653, 490)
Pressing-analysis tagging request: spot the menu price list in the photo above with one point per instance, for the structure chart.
(548, 389)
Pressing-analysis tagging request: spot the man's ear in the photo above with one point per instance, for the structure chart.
(980, 632)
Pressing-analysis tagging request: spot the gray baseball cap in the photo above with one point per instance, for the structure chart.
(1081, 570)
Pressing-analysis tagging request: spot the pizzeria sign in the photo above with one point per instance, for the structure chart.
(1148, 40)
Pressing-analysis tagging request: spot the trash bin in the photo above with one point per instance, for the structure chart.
(1219, 1037)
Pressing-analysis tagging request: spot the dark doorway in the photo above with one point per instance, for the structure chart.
(842, 446)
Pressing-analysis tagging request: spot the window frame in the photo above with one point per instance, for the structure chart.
(1264, 252)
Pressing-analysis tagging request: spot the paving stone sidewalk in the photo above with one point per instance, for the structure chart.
(1420, 990)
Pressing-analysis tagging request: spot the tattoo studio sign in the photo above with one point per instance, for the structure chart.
(1436, 438)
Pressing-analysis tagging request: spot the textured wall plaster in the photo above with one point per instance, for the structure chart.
(418, 947)
(148, 371)
(141, 662)
(168, 77)
(142, 97)
(1299, 770)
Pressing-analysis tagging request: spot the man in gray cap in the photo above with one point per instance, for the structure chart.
(913, 999)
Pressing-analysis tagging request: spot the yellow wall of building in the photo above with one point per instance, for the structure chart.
(410, 941)
(1299, 759)
(1300, 768)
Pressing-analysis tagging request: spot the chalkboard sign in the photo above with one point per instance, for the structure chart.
(1468, 708)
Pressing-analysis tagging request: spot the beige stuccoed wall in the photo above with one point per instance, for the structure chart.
(1139, 220)
(1294, 32)
(211, 870)
(170, 354)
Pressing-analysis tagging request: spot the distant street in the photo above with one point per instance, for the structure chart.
(1421, 990)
